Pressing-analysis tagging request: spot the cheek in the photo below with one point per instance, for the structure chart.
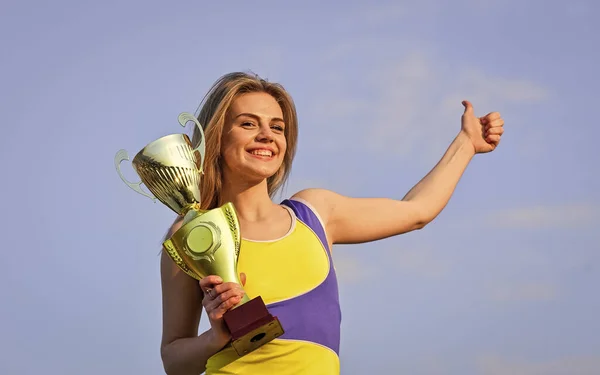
(282, 146)
(229, 155)
(229, 145)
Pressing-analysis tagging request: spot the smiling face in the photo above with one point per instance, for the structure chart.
(253, 144)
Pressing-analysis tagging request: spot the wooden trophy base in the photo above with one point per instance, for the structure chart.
(251, 326)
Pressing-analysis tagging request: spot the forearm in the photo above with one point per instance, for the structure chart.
(433, 192)
(188, 356)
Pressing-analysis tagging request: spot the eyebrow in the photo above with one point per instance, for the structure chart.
(257, 118)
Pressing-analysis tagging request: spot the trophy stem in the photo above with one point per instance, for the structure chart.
(191, 211)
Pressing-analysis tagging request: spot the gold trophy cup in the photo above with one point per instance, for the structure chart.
(208, 241)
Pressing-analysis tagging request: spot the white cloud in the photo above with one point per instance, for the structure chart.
(500, 88)
(523, 292)
(580, 365)
(420, 103)
(413, 101)
(420, 262)
(558, 216)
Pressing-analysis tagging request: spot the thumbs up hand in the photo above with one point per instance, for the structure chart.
(484, 132)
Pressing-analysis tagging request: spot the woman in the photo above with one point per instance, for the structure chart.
(251, 132)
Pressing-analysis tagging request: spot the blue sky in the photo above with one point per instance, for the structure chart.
(504, 281)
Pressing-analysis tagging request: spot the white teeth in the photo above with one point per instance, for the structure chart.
(262, 153)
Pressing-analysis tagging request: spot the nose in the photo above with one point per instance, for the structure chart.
(265, 134)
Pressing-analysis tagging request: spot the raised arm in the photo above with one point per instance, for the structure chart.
(356, 220)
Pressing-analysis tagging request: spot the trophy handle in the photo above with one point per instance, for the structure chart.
(119, 157)
(183, 120)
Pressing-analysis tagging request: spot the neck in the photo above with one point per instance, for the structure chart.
(251, 201)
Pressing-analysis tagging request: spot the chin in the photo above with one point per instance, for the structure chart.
(264, 167)
(261, 174)
(250, 173)
(253, 170)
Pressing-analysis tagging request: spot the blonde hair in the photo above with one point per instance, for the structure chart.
(212, 116)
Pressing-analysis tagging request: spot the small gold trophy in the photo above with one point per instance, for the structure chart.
(208, 242)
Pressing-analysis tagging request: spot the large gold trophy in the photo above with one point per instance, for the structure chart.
(208, 241)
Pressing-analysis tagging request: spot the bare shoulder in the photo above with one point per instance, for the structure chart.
(312, 194)
(174, 226)
(320, 199)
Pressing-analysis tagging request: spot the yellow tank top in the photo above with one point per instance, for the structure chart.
(295, 277)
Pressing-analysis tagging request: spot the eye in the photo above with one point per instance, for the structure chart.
(277, 128)
(247, 124)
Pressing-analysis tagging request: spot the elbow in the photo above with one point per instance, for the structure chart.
(174, 364)
(416, 214)
(422, 218)
(166, 362)
(169, 365)
(420, 224)
(170, 368)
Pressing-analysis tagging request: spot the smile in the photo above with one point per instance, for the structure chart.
(261, 154)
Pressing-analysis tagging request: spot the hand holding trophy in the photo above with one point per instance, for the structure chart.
(208, 242)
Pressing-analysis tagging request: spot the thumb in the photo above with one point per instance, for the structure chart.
(468, 107)
(243, 278)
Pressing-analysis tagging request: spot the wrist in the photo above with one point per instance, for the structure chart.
(218, 341)
(465, 143)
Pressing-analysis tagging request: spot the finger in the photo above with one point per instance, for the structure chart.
(492, 116)
(210, 282)
(208, 294)
(222, 293)
(243, 278)
(216, 311)
(495, 131)
(493, 139)
(223, 288)
(495, 123)
(468, 107)
(223, 297)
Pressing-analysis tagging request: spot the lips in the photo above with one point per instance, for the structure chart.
(262, 152)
